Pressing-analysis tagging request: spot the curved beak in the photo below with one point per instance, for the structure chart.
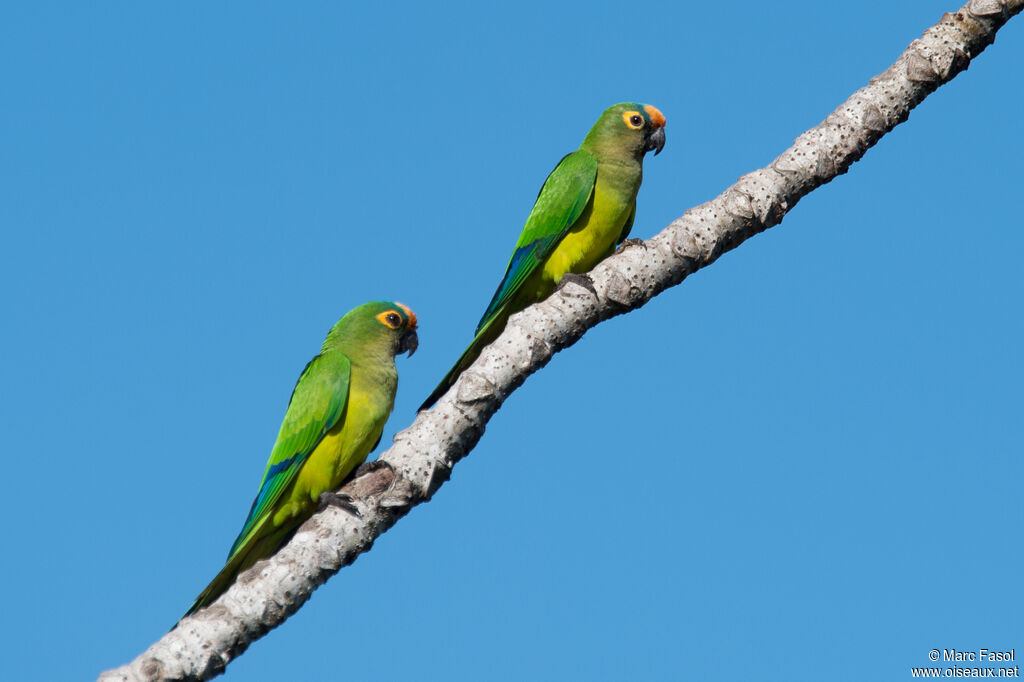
(655, 140)
(408, 342)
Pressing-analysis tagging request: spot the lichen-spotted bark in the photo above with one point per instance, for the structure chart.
(423, 455)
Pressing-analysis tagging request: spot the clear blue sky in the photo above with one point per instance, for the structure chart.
(804, 463)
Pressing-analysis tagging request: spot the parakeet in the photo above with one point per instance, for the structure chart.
(334, 420)
(583, 211)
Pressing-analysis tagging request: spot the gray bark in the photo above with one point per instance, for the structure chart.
(423, 455)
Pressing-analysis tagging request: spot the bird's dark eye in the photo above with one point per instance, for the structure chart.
(390, 319)
(633, 119)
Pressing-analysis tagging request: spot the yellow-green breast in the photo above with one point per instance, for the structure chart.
(593, 236)
(344, 447)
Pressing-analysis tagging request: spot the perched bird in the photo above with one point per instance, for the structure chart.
(334, 420)
(583, 211)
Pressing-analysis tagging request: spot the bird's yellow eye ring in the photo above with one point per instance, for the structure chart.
(390, 319)
(633, 119)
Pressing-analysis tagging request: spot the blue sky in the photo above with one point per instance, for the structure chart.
(804, 463)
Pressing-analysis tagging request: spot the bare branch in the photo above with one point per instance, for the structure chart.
(423, 455)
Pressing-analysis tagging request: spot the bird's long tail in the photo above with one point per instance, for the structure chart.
(258, 547)
(489, 332)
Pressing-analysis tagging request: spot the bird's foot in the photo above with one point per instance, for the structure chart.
(632, 241)
(342, 501)
(580, 280)
(370, 467)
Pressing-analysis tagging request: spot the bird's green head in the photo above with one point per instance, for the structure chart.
(630, 128)
(378, 325)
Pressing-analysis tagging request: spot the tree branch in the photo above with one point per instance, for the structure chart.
(423, 455)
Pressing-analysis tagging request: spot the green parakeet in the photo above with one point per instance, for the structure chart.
(583, 211)
(334, 419)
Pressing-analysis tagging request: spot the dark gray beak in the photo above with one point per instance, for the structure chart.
(656, 141)
(408, 342)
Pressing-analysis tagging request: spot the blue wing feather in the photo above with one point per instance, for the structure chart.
(316, 405)
(561, 201)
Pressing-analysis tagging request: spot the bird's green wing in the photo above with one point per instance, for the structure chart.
(561, 201)
(317, 403)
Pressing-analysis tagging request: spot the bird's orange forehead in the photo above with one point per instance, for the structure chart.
(657, 118)
(410, 314)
